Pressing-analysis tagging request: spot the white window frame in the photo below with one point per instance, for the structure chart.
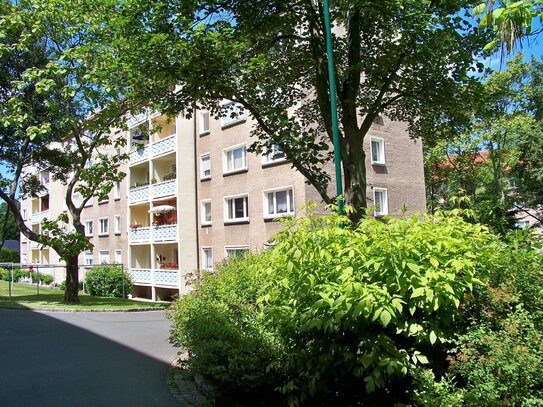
(204, 219)
(207, 257)
(117, 224)
(245, 218)
(100, 232)
(290, 206)
(226, 119)
(85, 224)
(202, 172)
(381, 159)
(238, 248)
(101, 255)
(384, 209)
(203, 130)
(118, 256)
(88, 259)
(227, 150)
(275, 150)
(117, 191)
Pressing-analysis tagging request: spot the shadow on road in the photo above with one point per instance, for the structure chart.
(48, 360)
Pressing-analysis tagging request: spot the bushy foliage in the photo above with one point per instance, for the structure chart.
(499, 358)
(367, 304)
(222, 328)
(107, 281)
(17, 274)
(9, 256)
(41, 277)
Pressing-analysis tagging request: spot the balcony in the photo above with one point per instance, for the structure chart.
(141, 275)
(138, 194)
(38, 217)
(164, 146)
(166, 277)
(162, 189)
(165, 233)
(140, 234)
(139, 154)
(34, 245)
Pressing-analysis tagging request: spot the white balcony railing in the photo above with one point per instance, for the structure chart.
(166, 277)
(139, 194)
(164, 146)
(34, 245)
(163, 189)
(139, 154)
(140, 234)
(141, 275)
(165, 233)
(38, 217)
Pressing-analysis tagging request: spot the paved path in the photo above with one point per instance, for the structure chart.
(84, 359)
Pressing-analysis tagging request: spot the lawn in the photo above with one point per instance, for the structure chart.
(25, 296)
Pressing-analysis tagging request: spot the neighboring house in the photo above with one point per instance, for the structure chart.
(193, 196)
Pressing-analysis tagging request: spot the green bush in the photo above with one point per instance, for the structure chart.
(221, 326)
(368, 304)
(17, 274)
(107, 281)
(43, 278)
(9, 256)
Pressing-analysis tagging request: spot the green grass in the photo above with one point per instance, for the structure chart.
(25, 296)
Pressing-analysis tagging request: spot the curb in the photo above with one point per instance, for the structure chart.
(183, 389)
(85, 310)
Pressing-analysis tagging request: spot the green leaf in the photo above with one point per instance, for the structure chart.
(417, 292)
(433, 337)
(385, 317)
(479, 9)
(434, 262)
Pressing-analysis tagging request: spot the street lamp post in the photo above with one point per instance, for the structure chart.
(333, 106)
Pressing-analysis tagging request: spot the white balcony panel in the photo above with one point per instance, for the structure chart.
(134, 120)
(165, 233)
(165, 188)
(139, 154)
(45, 215)
(36, 217)
(34, 245)
(140, 235)
(140, 275)
(164, 146)
(166, 277)
(138, 194)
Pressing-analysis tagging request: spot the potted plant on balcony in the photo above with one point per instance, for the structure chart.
(169, 176)
(134, 226)
(153, 181)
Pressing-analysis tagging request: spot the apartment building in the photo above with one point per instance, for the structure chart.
(193, 196)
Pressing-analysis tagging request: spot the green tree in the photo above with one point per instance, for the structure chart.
(409, 60)
(497, 163)
(60, 95)
(510, 22)
(9, 229)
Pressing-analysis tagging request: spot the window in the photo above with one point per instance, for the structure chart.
(206, 212)
(117, 191)
(117, 224)
(274, 155)
(232, 251)
(235, 159)
(207, 258)
(204, 123)
(104, 227)
(88, 259)
(523, 224)
(380, 202)
(205, 166)
(88, 227)
(103, 256)
(278, 203)
(118, 256)
(377, 150)
(232, 113)
(24, 214)
(236, 209)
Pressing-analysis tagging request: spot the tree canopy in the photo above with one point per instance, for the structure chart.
(409, 60)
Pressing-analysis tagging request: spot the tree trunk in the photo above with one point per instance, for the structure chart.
(71, 293)
(354, 168)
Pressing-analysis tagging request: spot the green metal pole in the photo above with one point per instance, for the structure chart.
(333, 106)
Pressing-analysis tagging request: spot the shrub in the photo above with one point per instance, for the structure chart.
(221, 327)
(43, 278)
(107, 281)
(5, 274)
(17, 274)
(9, 256)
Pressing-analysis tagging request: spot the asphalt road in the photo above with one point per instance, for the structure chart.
(84, 359)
